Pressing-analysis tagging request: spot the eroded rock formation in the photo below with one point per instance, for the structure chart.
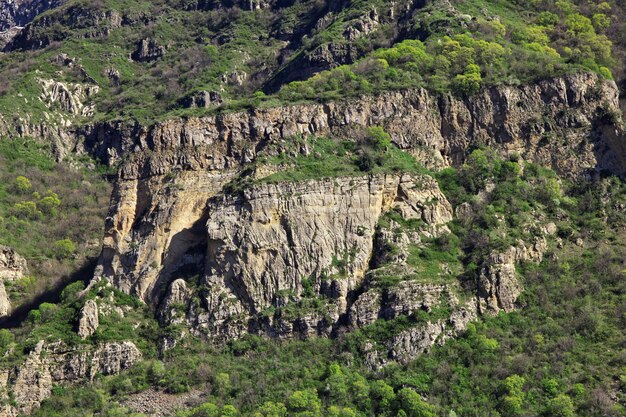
(31, 382)
(12, 268)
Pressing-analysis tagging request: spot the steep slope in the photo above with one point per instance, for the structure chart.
(391, 182)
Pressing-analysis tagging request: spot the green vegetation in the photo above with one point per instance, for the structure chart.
(497, 46)
(371, 153)
(49, 213)
(239, 53)
(561, 354)
(557, 356)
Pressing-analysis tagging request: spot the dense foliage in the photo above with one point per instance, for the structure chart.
(559, 355)
(458, 47)
(50, 213)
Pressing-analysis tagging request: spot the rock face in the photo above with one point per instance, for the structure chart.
(148, 50)
(274, 238)
(15, 14)
(527, 121)
(21, 12)
(89, 321)
(12, 268)
(498, 286)
(171, 220)
(70, 98)
(48, 364)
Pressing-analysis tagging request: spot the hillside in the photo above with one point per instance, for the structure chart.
(312, 208)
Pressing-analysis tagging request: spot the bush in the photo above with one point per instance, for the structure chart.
(63, 248)
(22, 185)
(26, 210)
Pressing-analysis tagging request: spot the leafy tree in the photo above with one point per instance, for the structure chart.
(271, 409)
(469, 82)
(304, 403)
(26, 210)
(560, 406)
(413, 405)
(49, 204)
(63, 248)
(22, 185)
(379, 138)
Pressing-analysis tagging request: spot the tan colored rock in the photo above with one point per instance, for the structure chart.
(73, 98)
(12, 265)
(31, 382)
(89, 321)
(12, 268)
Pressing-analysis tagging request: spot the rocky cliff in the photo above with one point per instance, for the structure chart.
(31, 382)
(172, 218)
(18, 13)
(12, 268)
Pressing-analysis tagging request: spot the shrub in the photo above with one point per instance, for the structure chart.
(63, 248)
(413, 405)
(377, 136)
(26, 210)
(305, 401)
(49, 204)
(22, 185)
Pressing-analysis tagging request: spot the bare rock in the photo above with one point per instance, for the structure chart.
(70, 97)
(47, 364)
(88, 322)
(12, 268)
(148, 50)
(12, 265)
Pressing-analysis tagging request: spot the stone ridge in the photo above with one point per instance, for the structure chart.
(564, 123)
(167, 202)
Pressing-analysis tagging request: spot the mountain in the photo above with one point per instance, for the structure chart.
(312, 208)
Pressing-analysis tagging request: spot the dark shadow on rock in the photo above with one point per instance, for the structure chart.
(51, 295)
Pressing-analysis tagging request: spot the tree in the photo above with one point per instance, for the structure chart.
(413, 405)
(468, 83)
(305, 402)
(379, 138)
(511, 404)
(49, 204)
(384, 396)
(206, 410)
(270, 409)
(22, 185)
(63, 248)
(26, 210)
(560, 406)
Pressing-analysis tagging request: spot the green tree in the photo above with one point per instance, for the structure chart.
(63, 248)
(384, 397)
(206, 410)
(379, 138)
(271, 409)
(469, 82)
(6, 339)
(22, 185)
(26, 210)
(305, 402)
(560, 406)
(49, 204)
(229, 411)
(413, 405)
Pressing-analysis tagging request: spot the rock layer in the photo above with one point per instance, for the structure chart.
(12, 268)
(48, 364)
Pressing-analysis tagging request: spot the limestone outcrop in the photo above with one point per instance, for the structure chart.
(148, 50)
(12, 268)
(72, 98)
(31, 382)
(89, 321)
(498, 286)
(527, 121)
(176, 213)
